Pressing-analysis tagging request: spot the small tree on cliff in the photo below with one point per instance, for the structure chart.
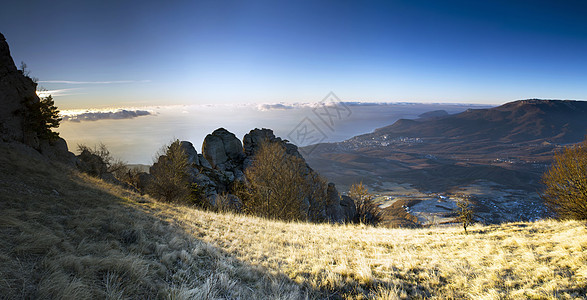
(41, 117)
(565, 192)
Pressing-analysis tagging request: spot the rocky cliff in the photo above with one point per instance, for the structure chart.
(16, 90)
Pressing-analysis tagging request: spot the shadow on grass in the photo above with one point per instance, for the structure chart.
(68, 236)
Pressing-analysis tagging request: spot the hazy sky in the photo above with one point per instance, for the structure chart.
(130, 53)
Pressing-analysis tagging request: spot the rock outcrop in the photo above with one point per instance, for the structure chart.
(190, 151)
(253, 140)
(91, 164)
(223, 149)
(224, 160)
(95, 165)
(349, 208)
(16, 90)
(334, 211)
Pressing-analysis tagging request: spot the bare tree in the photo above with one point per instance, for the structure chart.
(129, 176)
(367, 210)
(279, 185)
(113, 165)
(171, 174)
(24, 70)
(464, 213)
(565, 192)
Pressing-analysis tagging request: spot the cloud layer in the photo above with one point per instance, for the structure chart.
(93, 82)
(298, 105)
(105, 115)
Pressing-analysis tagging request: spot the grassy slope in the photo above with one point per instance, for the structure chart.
(91, 239)
(68, 236)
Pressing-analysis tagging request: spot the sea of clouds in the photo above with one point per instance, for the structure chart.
(136, 134)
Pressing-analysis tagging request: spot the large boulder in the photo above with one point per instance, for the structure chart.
(349, 208)
(91, 163)
(57, 150)
(253, 140)
(334, 211)
(213, 150)
(190, 151)
(222, 146)
(144, 180)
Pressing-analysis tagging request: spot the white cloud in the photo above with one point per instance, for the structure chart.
(93, 82)
(276, 106)
(59, 92)
(300, 105)
(118, 114)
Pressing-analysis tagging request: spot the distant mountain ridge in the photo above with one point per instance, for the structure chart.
(496, 155)
(558, 121)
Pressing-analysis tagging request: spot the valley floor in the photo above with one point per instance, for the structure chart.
(66, 235)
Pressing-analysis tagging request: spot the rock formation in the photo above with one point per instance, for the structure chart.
(224, 160)
(349, 208)
(16, 90)
(190, 151)
(91, 163)
(223, 149)
(252, 141)
(334, 211)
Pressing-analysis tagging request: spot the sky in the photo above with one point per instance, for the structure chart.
(137, 53)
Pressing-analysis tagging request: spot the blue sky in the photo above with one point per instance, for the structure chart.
(133, 53)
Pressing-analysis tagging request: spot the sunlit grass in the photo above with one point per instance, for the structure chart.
(546, 259)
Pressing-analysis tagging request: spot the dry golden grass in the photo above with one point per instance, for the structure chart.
(540, 260)
(65, 235)
(94, 240)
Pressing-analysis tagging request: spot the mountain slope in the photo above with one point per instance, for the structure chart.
(520, 121)
(495, 155)
(66, 235)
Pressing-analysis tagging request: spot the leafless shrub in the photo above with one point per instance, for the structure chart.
(565, 192)
(128, 175)
(278, 185)
(367, 210)
(113, 165)
(170, 174)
